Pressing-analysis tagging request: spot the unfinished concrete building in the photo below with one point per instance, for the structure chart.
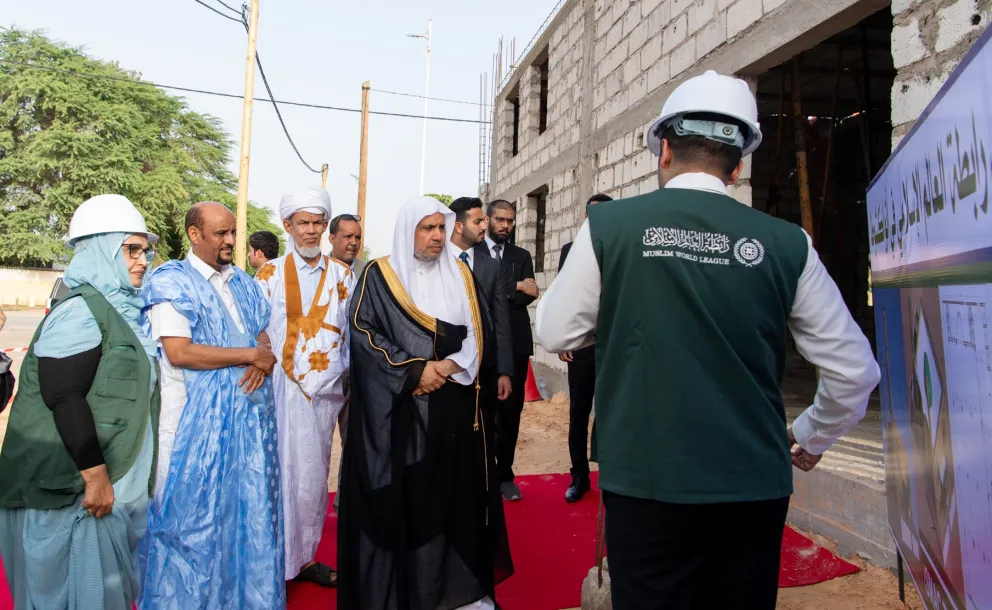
(842, 79)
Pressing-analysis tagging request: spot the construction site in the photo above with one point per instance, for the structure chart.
(838, 83)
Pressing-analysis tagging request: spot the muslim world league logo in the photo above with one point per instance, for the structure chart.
(749, 252)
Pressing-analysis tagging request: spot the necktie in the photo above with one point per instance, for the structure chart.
(463, 257)
(499, 255)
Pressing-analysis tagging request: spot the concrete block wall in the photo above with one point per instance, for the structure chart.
(929, 38)
(534, 149)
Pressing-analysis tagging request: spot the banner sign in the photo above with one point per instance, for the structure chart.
(930, 233)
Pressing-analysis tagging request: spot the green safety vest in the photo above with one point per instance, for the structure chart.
(36, 470)
(691, 347)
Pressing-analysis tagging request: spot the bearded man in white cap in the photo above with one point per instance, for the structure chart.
(309, 296)
(421, 520)
(692, 444)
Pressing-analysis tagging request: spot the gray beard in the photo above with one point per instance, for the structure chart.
(425, 257)
(309, 253)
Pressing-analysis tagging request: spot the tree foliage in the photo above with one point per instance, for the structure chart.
(445, 199)
(65, 138)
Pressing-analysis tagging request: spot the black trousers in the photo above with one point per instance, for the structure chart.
(508, 419)
(693, 556)
(581, 388)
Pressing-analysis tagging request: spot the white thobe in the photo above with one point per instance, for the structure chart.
(824, 331)
(307, 405)
(428, 295)
(167, 322)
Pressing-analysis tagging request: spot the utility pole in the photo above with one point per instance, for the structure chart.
(427, 89)
(323, 176)
(363, 157)
(241, 240)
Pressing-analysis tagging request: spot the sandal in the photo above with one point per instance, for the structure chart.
(320, 574)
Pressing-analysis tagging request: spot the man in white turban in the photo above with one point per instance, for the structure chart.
(309, 294)
(421, 519)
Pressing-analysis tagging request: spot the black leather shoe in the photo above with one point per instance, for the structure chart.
(578, 489)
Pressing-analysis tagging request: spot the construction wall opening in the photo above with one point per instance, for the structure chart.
(537, 201)
(514, 100)
(833, 101)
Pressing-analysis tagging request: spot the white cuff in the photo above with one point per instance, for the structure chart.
(802, 431)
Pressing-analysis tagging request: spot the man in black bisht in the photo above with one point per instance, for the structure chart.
(421, 522)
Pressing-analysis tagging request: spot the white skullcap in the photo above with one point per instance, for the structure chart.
(313, 200)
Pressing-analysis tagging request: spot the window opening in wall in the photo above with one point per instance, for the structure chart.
(544, 69)
(514, 99)
(538, 202)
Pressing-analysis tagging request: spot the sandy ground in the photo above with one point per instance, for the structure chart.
(543, 448)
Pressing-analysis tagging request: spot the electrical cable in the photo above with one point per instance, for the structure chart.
(265, 81)
(210, 8)
(229, 7)
(433, 99)
(235, 95)
(238, 96)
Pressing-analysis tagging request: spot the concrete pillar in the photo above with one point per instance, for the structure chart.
(530, 105)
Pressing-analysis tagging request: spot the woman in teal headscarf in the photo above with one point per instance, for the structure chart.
(76, 465)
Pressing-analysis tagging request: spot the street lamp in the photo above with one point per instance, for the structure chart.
(427, 87)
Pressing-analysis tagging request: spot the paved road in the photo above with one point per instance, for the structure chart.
(16, 333)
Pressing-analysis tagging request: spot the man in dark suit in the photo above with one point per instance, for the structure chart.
(517, 269)
(581, 388)
(469, 233)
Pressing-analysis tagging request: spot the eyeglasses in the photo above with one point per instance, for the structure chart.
(351, 217)
(136, 250)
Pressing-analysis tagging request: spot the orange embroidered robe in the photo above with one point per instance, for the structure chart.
(310, 341)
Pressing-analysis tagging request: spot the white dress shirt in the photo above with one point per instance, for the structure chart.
(456, 251)
(428, 296)
(492, 248)
(824, 331)
(167, 322)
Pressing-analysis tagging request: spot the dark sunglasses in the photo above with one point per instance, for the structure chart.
(136, 250)
(351, 217)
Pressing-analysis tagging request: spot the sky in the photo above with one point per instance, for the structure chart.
(318, 52)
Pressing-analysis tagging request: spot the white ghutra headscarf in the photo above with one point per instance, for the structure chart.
(403, 262)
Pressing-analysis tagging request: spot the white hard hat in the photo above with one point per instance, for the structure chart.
(106, 214)
(710, 93)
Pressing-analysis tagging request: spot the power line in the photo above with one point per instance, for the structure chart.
(265, 81)
(230, 8)
(433, 99)
(235, 95)
(210, 8)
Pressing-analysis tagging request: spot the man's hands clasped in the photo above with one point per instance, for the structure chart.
(261, 366)
(434, 376)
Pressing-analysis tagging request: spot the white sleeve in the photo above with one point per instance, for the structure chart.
(167, 322)
(467, 358)
(567, 313)
(828, 337)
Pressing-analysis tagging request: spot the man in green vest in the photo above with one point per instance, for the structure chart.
(690, 297)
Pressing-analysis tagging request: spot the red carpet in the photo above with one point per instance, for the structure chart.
(554, 545)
